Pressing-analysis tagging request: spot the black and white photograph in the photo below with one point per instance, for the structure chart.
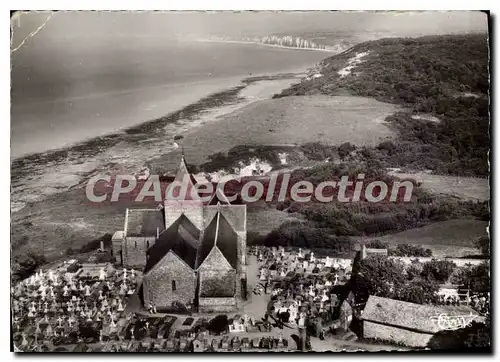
(250, 181)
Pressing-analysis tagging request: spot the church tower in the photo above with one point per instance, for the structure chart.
(183, 198)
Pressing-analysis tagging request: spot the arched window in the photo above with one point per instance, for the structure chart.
(174, 287)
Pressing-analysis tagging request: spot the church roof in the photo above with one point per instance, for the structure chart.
(219, 233)
(183, 170)
(143, 222)
(218, 198)
(184, 187)
(182, 237)
(234, 214)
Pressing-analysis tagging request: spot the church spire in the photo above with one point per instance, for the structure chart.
(179, 140)
(183, 176)
(182, 169)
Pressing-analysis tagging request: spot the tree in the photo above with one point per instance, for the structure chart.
(87, 331)
(420, 291)
(24, 265)
(382, 276)
(306, 235)
(96, 243)
(476, 335)
(345, 150)
(410, 250)
(477, 278)
(284, 317)
(413, 272)
(377, 244)
(439, 270)
(388, 146)
(255, 238)
(104, 257)
(317, 151)
(483, 244)
(218, 324)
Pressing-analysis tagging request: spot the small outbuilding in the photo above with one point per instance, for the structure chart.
(410, 324)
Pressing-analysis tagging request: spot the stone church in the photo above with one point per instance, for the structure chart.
(192, 252)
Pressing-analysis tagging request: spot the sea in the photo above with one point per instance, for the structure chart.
(74, 104)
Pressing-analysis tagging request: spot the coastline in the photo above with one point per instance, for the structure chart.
(48, 202)
(267, 45)
(70, 115)
(158, 102)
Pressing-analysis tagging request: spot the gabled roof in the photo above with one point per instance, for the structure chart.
(182, 237)
(168, 260)
(219, 233)
(216, 260)
(143, 222)
(234, 214)
(420, 318)
(218, 198)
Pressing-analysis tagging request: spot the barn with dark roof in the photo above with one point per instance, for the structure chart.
(410, 324)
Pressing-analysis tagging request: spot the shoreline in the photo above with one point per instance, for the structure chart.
(37, 176)
(47, 189)
(177, 96)
(227, 84)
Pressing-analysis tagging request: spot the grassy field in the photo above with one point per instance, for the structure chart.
(446, 238)
(293, 120)
(62, 221)
(264, 219)
(464, 188)
(49, 228)
(433, 75)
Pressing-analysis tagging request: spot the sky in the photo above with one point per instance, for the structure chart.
(88, 24)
